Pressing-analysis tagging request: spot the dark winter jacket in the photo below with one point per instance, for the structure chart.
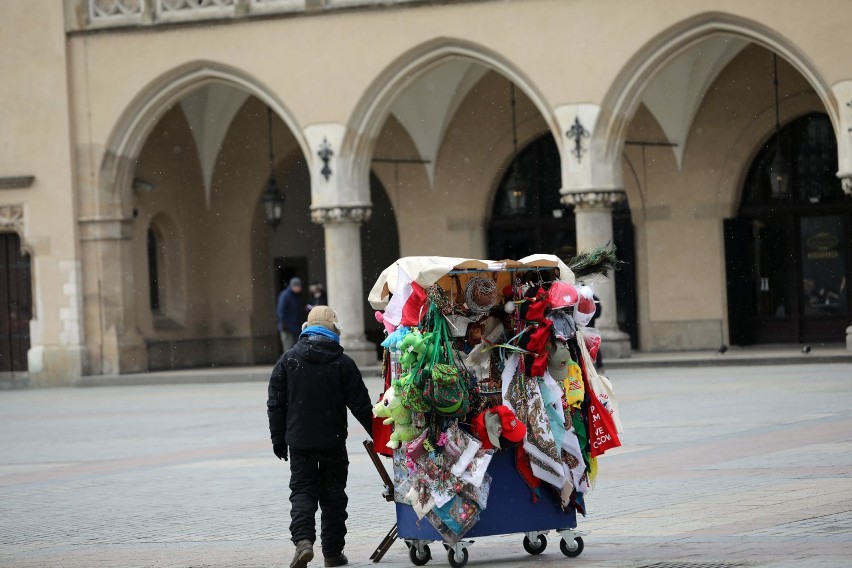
(310, 389)
(289, 311)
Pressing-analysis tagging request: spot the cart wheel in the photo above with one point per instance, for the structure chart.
(537, 547)
(573, 549)
(454, 562)
(419, 559)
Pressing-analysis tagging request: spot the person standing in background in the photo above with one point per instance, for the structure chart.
(288, 311)
(316, 296)
(599, 362)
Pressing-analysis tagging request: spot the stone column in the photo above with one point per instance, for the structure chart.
(593, 214)
(344, 276)
(115, 344)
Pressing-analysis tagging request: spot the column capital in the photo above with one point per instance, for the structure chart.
(341, 214)
(593, 199)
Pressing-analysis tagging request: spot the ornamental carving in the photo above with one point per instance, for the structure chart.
(592, 199)
(12, 218)
(325, 153)
(346, 214)
(577, 133)
(113, 9)
(190, 5)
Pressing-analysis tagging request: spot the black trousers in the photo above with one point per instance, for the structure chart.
(318, 477)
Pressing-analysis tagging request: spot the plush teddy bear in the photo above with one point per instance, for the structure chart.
(391, 409)
(414, 348)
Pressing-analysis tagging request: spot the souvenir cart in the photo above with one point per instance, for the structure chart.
(493, 410)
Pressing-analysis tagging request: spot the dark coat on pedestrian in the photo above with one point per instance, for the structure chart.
(289, 311)
(310, 389)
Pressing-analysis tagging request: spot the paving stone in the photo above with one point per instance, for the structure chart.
(748, 465)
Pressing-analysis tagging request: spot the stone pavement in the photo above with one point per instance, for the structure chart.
(736, 466)
(789, 354)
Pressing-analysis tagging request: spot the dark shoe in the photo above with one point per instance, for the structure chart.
(304, 554)
(339, 560)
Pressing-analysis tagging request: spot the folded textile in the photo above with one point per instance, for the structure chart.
(475, 472)
(460, 448)
(523, 396)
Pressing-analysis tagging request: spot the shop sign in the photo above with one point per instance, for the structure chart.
(821, 246)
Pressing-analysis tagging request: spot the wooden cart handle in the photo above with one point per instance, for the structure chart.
(374, 457)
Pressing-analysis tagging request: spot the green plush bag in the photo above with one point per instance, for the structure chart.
(447, 392)
(445, 388)
(412, 386)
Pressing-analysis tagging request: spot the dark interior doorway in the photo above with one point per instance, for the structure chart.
(15, 304)
(290, 267)
(534, 220)
(379, 249)
(788, 250)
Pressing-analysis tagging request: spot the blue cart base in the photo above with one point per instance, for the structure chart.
(510, 510)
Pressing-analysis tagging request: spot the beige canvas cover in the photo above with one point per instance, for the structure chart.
(427, 270)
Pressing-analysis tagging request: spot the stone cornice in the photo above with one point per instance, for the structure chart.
(593, 199)
(341, 214)
(16, 182)
(87, 16)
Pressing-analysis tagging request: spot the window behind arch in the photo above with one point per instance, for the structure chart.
(166, 282)
(809, 147)
(153, 270)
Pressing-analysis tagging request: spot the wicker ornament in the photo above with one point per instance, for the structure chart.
(480, 294)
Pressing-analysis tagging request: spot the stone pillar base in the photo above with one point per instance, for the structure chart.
(362, 352)
(615, 344)
(55, 365)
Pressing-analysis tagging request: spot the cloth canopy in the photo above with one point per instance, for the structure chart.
(427, 270)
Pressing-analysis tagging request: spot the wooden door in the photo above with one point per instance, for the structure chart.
(15, 304)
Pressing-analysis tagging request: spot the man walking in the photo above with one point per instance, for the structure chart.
(310, 389)
(289, 313)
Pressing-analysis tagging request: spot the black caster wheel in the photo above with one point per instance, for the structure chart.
(536, 547)
(456, 562)
(573, 549)
(419, 559)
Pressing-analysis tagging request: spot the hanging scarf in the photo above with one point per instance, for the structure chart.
(523, 396)
(564, 436)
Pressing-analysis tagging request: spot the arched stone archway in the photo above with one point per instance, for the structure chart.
(676, 131)
(386, 134)
(369, 115)
(627, 90)
(130, 132)
(197, 103)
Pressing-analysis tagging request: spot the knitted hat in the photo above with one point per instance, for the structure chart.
(325, 317)
(296, 281)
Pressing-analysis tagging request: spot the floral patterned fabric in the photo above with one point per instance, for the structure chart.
(523, 396)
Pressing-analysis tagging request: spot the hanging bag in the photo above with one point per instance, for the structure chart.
(602, 432)
(445, 388)
(600, 384)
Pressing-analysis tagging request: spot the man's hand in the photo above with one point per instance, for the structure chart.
(280, 451)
